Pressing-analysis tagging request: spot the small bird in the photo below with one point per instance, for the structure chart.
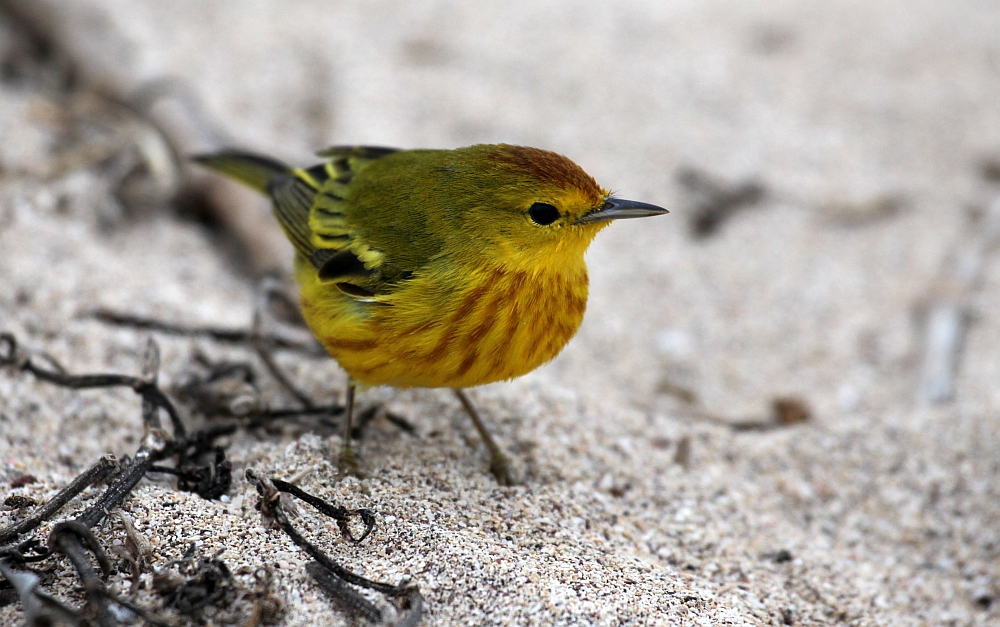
(437, 268)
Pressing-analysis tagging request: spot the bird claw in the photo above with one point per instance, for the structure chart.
(500, 467)
(347, 463)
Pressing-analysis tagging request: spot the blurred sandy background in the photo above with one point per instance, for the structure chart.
(873, 129)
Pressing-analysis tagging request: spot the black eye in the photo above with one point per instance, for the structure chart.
(541, 213)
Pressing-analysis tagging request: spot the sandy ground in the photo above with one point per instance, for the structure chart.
(639, 507)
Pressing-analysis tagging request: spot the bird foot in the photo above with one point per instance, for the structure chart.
(500, 467)
(347, 463)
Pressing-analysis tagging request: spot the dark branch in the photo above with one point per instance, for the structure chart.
(101, 470)
(341, 514)
(227, 336)
(331, 576)
(39, 608)
(75, 540)
(144, 387)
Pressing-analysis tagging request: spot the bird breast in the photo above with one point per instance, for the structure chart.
(498, 325)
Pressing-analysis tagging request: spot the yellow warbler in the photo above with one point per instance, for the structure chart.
(437, 268)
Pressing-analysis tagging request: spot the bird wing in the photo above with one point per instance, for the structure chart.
(326, 229)
(311, 207)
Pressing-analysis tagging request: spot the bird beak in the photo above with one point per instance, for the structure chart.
(618, 208)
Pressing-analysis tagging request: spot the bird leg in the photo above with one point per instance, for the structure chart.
(499, 462)
(347, 462)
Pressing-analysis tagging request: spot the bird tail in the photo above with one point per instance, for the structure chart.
(292, 191)
(247, 168)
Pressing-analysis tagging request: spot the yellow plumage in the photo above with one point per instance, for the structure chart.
(438, 268)
(497, 322)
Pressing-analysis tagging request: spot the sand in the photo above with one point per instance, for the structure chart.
(638, 506)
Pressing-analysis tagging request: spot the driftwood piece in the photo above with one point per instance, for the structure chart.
(90, 44)
(946, 316)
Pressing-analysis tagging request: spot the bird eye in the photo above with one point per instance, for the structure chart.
(543, 214)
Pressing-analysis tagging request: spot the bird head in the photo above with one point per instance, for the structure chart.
(537, 207)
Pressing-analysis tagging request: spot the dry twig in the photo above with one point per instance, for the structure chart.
(946, 317)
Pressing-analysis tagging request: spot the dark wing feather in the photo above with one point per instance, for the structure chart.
(309, 206)
(342, 256)
(293, 199)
